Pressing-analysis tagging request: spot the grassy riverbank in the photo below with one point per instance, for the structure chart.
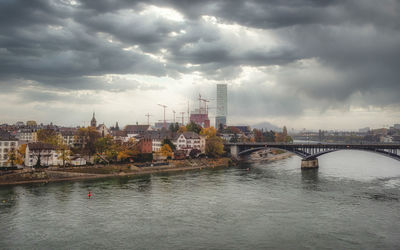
(56, 174)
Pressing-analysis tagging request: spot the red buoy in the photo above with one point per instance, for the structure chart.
(89, 195)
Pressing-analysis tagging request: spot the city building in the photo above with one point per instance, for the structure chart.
(160, 125)
(69, 137)
(157, 138)
(31, 123)
(200, 115)
(120, 135)
(222, 105)
(188, 141)
(136, 130)
(45, 152)
(103, 130)
(25, 135)
(7, 144)
(364, 130)
(144, 145)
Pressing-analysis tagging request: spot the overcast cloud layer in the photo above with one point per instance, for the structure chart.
(303, 63)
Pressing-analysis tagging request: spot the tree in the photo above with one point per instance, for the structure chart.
(182, 129)
(103, 144)
(214, 146)
(64, 153)
(88, 137)
(127, 150)
(193, 127)
(49, 136)
(12, 157)
(220, 127)
(194, 153)
(258, 135)
(169, 142)
(166, 151)
(269, 136)
(16, 156)
(174, 127)
(208, 132)
(284, 131)
(234, 139)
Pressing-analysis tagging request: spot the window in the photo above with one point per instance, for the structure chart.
(6, 143)
(12, 144)
(0, 143)
(6, 150)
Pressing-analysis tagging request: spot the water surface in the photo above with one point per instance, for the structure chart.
(350, 202)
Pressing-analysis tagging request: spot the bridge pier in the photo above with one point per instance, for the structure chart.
(309, 163)
(234, 152)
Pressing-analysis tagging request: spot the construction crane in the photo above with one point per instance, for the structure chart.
(164, 106)
(148, 118)
(173, 111)
(183, 117)
(205, 104)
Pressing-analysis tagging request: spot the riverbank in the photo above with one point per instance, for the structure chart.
(269, 157)
(57, 174)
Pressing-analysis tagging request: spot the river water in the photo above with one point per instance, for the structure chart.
(351, 202)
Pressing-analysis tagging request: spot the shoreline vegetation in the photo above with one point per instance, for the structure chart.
(58, 174)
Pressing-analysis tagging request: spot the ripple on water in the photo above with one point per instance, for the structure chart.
(271, 205)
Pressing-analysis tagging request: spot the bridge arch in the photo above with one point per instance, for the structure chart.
(252, 150)
(380, 152)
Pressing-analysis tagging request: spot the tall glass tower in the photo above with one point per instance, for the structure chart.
(222, 105)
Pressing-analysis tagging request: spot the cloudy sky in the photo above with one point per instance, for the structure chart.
(301, 63)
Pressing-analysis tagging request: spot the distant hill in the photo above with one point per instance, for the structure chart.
(267, 126)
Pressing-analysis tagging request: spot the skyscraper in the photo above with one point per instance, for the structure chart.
(222, 105)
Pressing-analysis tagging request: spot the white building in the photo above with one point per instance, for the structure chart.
(189, 140)
(26, 135)
(46, 152)
(103, 130)
(7, 144)
(69, 138)
(157, 139)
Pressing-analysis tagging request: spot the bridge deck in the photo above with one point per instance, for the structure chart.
(313, 150)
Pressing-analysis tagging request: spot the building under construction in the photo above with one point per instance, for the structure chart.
(200, 115)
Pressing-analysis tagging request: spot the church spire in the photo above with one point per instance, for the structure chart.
(93, 122)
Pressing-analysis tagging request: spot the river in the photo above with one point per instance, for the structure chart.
(351, 202)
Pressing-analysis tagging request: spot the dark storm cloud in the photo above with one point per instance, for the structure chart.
(60, 44)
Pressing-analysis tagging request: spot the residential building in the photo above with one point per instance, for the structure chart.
(25, 135)
(189, 140)
(45, 152)
(157, 138)
(137, 130)
(103, 130)
(120, 135)
(7, 144)
(69, 137)
(160, 125)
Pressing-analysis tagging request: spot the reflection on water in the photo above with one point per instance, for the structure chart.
(309, 178)
(350, 202)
